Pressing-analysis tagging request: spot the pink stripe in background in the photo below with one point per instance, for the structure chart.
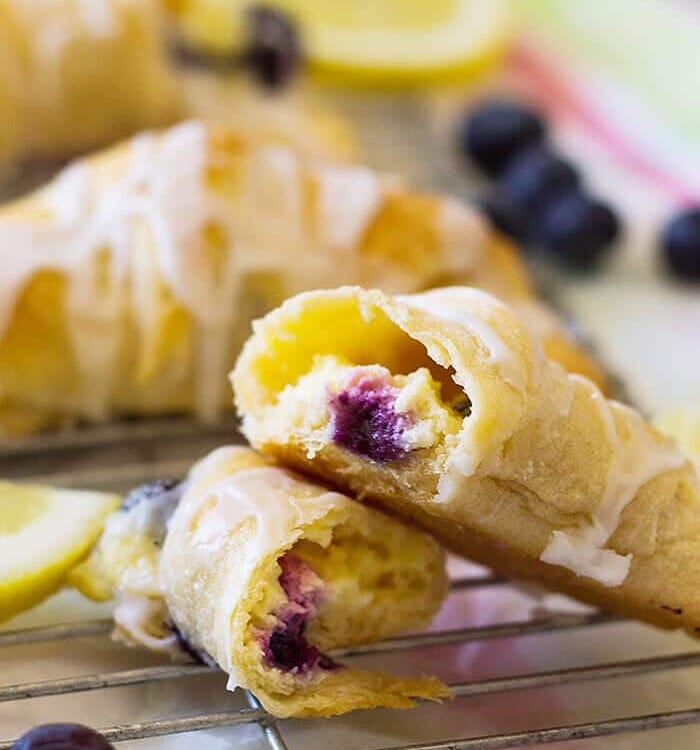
(559, 94)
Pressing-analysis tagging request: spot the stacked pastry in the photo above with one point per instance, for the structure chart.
(129, 282)
(252, 568)
(442, 408)
(128, 285)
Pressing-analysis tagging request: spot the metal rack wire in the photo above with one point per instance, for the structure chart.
(116, 475)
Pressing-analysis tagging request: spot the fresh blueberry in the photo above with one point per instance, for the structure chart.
(535, 177)
(681, 244)
(505, 215)
(274, 51)
(494, 132)
(577, 229)
(62, 737)
(149, 491)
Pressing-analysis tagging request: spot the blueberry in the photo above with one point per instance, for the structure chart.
(62, 737)
(577, 229)
(274, 51)
(494, 132)
(505, 215)
(681, 244)
(535, 177)
(366, 422)
(149, 491)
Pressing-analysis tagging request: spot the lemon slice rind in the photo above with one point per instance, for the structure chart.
(470, 40)
(38, 554)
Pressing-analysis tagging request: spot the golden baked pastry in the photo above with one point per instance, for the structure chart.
(128, 283)
(76, 74)
(295, 116)
(443, 409)
(263, 572)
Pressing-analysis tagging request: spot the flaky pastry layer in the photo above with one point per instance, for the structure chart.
(443, 408)
(128, 284)
(264, 573)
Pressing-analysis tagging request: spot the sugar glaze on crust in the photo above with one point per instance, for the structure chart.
(262, 573)
(129, 282)
(520, 465)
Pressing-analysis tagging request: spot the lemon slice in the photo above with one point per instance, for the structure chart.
(43, 533)
(401, 42)
(370, 42)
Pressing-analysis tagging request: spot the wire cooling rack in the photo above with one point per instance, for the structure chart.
(145, 444)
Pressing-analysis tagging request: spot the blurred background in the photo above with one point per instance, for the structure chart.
(604, 213)
(606, 92)
(574, 127)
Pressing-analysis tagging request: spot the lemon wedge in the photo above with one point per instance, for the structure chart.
(43, 533)
(371, 42)
(401, 42)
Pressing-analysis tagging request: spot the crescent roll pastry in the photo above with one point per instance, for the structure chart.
(443, 409)
(128, 284)
(263, 573)
(75, 74)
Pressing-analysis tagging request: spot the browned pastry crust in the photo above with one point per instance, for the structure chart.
(128, 284)
(441, 408)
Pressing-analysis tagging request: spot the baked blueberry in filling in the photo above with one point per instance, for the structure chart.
(151, 491)
(287, 647)
(365, 420)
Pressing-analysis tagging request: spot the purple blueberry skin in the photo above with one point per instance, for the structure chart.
(149, 491)
(681, 244)
(365, 421)
(505, 215)
(274, 52)
(62, 737)
(535, 177)
(495, 131)
(578, 230)
(287, 648)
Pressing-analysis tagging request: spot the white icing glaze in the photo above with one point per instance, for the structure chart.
(275, 509)
(161, 188)
(447, 307)
(98, 16)
(456, 225)
(635, 460)
(348, 200)
(136, 617)
(268, 495)
(160, 193)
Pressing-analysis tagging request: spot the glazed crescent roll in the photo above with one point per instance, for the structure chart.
(263, 573)
(443, 409)
(76, 74)
(128, 284)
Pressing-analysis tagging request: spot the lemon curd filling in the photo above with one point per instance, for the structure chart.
(370, 412)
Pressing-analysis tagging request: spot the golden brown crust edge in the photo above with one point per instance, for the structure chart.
(546, 472)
